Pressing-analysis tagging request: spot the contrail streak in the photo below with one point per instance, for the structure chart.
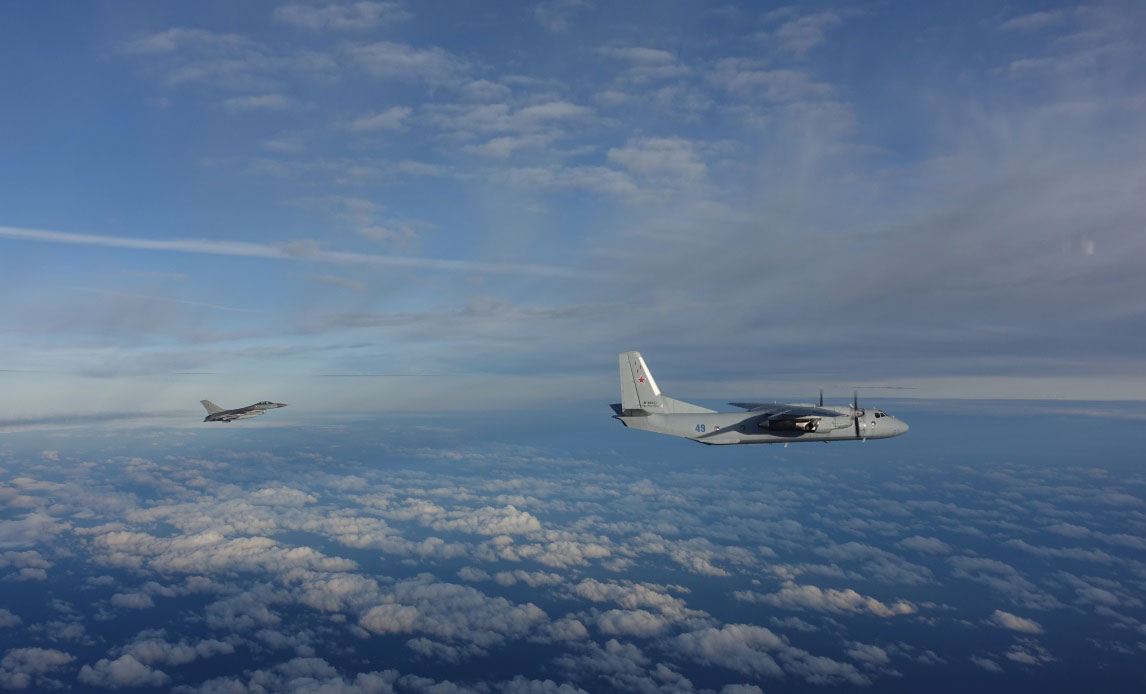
(299, 251)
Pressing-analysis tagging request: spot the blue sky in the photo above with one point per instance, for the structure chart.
(235, 200)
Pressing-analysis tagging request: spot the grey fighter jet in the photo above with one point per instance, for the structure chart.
(643, 407)
(218, 414)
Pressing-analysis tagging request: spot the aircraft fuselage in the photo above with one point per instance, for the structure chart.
(729, 428)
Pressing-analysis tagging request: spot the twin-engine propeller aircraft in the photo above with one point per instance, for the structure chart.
(218, 414)
(643, 407)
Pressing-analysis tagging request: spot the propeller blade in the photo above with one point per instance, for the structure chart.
(821, 397)
(856, 411)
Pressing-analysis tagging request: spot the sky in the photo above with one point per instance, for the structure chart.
(429, 228)
(378, 205)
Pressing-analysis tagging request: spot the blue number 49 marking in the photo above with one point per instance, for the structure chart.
(700, 428)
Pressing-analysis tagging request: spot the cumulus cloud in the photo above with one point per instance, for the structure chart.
(308, 673)
(135, 601)
(21, 668)
(488, 521)
(451, 612)
(389, 618)
(639, 623)
(1003, 578)
(1007, 620)
(124, 671)
(473, 574)
(748, 649)
(282, 496)
(808, 597)
(209, 551)
(868, 653)
(36, 528)
(150, 648)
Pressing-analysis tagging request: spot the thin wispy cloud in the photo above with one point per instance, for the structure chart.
(297, 251)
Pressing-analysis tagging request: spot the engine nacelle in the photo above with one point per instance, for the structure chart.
(778, 424)
(808, 425)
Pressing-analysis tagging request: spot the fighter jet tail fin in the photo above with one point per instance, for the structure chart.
(212, 408)
(639, 392)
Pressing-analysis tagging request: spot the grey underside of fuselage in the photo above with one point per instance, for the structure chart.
(727, 428)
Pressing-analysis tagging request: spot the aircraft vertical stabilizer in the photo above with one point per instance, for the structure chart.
(212, 408)
(638, 389)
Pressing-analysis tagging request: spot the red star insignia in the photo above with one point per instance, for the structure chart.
(641, 379)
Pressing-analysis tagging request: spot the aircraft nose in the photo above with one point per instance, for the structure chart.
(900, 427)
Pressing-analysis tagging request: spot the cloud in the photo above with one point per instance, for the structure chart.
(354, 16)
(389, 618)
(672, 160)
(315, 674)
(452, 612)
(151, 648)
(282, 496)
(256, 102)
(33, 529)
(488, 521)
(533, 579)
(135, 601)
(633, 596)
(1029, 652)
(306, 252)
(20, 666)
(808, 597)
(390, 119)
(748, 650)
(927, 545)
(124, 671)
(1033, 21)
(556, 15)
(208, 551)
(338, 282)
(798, 36)
(521, 685)
(398, 61)
(794, 623)
(640, 623)
(1004, 579)
(1007, 620)
(747, 79)
(7, 619)
(233, 62)
(172, 40)
(986, 663)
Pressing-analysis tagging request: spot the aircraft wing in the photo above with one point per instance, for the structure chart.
(780, 411)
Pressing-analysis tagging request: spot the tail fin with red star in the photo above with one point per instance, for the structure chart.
(640, 394)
